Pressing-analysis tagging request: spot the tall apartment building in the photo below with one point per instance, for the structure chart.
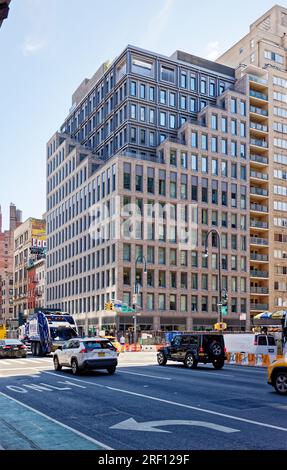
(29, 246)
(153, 154)
(6, 264)
(261, 58)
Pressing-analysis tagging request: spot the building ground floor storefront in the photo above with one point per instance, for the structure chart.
(117, 324)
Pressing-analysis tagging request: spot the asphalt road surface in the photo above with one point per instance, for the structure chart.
(142, 406)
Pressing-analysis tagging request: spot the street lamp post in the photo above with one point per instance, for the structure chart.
(213, 230)
(140, 259)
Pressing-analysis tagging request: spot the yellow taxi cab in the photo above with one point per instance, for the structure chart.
(114, 342)
(277, 375)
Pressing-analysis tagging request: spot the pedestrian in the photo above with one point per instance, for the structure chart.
(122, 342)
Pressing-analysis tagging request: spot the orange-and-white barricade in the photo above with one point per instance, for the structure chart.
(248, 359)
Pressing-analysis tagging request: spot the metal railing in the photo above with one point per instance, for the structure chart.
(259, 290)
(259, 241)
(259, 175)
(258, 127)
(259, 143)
(253, 78)
(258, 223)
(258, 207)
(259, 306)
(259, 191)
(258, 273)
(257, 94)
(259, 159)
(258, 257)
(255, 109)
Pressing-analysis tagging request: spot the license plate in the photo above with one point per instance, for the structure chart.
(101, 354)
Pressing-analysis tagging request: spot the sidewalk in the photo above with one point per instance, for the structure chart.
(25, 429)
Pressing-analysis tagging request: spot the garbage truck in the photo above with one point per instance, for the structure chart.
(46, 329)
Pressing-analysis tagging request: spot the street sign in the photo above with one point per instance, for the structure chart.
(220, 326)
(224, 310)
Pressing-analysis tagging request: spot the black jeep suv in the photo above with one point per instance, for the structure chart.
(193, 348)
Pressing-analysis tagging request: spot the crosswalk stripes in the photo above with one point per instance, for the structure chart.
(25, 360)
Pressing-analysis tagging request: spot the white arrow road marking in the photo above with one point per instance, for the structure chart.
(150, 426)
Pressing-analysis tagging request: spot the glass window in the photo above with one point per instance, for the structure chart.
(183, 303)
(224, 124)
(151, 93)
(204, 142)
(172, 99)
(233, 105)
(162, 118)
(194, 139)
(167, 74)
(194, 164)
(214, 122)
(163, 96)
(203, 85)
(193, 107)
(142, 91)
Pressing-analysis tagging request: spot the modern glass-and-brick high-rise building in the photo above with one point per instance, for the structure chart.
(153, 154)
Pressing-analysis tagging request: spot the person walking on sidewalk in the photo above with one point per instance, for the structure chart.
(122, 342)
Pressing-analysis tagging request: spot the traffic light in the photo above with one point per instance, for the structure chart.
(109, 306)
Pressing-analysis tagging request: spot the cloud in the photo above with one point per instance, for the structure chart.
(212, 50)
(32, 46)
(158, 23)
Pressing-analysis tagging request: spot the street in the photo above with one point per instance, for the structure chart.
(142, 406)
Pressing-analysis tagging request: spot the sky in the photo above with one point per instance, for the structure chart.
(47, 47)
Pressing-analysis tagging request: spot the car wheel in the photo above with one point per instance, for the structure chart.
(190, 361)
(218, 364)
(57, 365)
(280, 383)
(161, 359)
(111, 370)
(75, 367)
(38, 350)
(216, 349)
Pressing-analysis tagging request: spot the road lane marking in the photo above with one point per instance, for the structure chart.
(144, 375)
(24, 368)
(151, 426)
(79, 433)
(182, 405)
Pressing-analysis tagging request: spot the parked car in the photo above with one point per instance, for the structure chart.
(194, 348)
(277, 375)
(83, 354)
(12, 348)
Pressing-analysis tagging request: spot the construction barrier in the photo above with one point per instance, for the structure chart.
(247, 359)
(251, 359)
(138, 347)
(127, 347)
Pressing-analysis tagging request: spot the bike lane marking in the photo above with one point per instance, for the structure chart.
(24, 433)
(182, 405)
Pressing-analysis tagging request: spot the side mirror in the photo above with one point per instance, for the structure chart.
(60, 347)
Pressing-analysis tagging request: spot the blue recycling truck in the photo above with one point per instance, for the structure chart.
(47, 328)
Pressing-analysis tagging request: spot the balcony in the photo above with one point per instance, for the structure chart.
(256, 110)
(258, 224)
(259, 143)
(258, 257)
(259, 290)
(258, 208)
(255, 273)
(259, 175)
(262, 81)
(259, 159)
(259, 191)
(258, 95)
(259, 307)
(258, 127)
(258, 241)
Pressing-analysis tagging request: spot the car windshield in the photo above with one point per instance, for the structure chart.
(62, 334)
(91, 345)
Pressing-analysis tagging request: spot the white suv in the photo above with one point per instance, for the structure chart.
(86, 354)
